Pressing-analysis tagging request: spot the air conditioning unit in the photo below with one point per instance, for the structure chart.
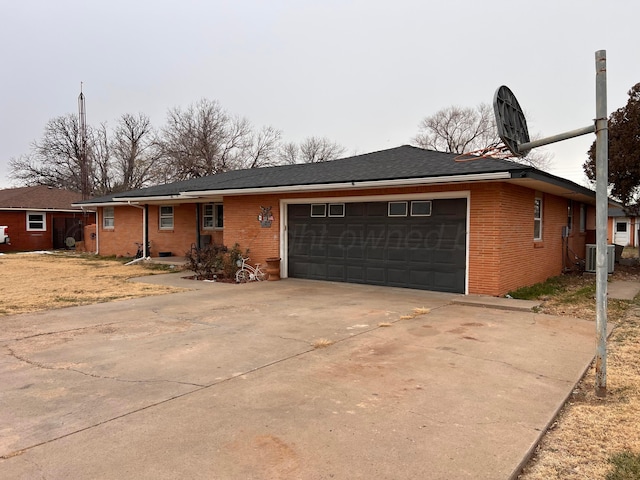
(590, 260)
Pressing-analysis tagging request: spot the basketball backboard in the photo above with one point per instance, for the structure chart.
(510, 120)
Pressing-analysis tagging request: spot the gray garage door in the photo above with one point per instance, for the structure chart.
(414, 244)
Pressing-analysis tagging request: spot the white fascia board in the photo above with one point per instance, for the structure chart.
(158, 198)
(34, 209)
(404, 182)
(103, 204)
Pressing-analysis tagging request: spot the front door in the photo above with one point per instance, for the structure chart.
(621, 234)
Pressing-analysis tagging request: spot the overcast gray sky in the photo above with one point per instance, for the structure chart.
(363, 73)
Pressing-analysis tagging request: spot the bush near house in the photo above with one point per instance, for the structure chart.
(214, 261)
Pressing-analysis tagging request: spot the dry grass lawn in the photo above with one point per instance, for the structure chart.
(34, 282)
(590, 431)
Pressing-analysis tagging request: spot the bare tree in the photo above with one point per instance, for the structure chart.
(288, 153)
(316, 149)
(464, 129)
(135, 152)
(263, 149)
(204, 139)
(100, 155)
(55, 160)
(458, 130)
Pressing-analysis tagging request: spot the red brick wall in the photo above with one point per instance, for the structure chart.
(23, 240)
(127, 230)
(502, 253)
(241, 226)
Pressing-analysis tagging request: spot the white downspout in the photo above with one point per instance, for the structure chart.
(144, 232)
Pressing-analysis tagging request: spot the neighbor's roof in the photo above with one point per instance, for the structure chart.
(39, 197)
(392, 165)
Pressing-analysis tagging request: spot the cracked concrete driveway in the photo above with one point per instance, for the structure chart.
(223, 382)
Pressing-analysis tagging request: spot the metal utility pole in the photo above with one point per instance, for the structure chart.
(84, 167)
(602, 181)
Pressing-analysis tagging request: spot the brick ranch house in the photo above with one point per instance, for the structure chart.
(404, 217)
(42, 218)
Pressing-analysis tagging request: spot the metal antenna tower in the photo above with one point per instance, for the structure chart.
(84, 167)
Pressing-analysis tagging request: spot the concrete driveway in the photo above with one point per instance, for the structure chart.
(223, 382)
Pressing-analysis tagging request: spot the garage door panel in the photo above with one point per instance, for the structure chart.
(335, 251)
(420, 256)
(397, 254)
(355, 253)
(368, 246)
(317, 271)
(336, 272)
(355, 274)
(376, 209)
(446, 281)
(376, 253)
(336, 229)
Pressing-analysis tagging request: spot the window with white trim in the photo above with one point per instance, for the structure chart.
(421, 208)
(36, 221)
(318, 209)
(583, 218)
(212, 216)
(537, 219)
(570, 215)
(108, 217)
(397, 209)
(336, 209)
(166, 217)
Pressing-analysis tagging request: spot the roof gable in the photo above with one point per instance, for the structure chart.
(38, 197)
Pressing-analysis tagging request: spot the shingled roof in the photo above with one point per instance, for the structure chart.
(395, 164)
(39, 197)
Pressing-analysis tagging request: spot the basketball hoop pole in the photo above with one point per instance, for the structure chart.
(602, 200)
(524, 147)
(513, 131)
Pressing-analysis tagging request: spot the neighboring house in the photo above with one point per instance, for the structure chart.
(42, 218)
(404, 217)
(622, 228)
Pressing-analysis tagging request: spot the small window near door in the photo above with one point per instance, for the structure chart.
(398, 209)
(166, 217)
(36, 221)
(537, 219)
(336, 209)
(318, 209)
(583, 218)
(421, 208)
(212, 216)
(570, 215)
(621, 227)
(108, 217)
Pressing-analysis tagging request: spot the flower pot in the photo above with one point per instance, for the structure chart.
(273, 268)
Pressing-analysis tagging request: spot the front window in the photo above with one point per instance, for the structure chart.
(108, 217)
(36, 221)
(583, 218)
(212, 216)
(166, 217)
(537, 219)
(570, 215)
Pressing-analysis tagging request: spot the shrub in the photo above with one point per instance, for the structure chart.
(212, 260)
(207, 261)
(231, 260)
